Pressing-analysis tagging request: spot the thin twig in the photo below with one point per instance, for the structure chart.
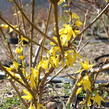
(18, 93)
(42, 40)
(9, 47)
(57, 28)
(42, 83)
(58, 72)
(42, 33)
(98, 16)
(32, 32)
(92, 70)
(20, 33)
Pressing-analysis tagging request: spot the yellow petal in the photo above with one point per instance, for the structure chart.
(86, 83)
(24, 39)
(44, 64)
(98, 99)
(75, 16)
(21, 57)
(28, 96)
(4, 26)
(19, 50)
(85, 65)
(79, 91)
(78, 23)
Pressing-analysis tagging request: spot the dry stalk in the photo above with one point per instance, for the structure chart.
(35, 27)
(32, 32)
(55, 5)
(98, 16)
(20, 33)
(42, 40)
(8, 45)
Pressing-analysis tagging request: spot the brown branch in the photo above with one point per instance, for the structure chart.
(19, 32)
(32, 32)
(42, 40)
(5, 70)
(9, 47)
(75, 87)
(43, 82)
(23, 78)
(57, 28)
(18, 93)
(98, 16)
(43, 34)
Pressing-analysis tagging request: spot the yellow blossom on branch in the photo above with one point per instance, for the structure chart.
(19, 50)
(97, 99)
(86, 65)
(44, 63)
(79, 90)
(4, 26)
(28, 96)
(85, 82)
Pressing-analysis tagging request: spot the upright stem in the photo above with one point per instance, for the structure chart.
(19, 32)
(35, 27)
(93, 21)
(32, 29)
(9, 47)
(18, 93)
(57, 28)
(42, 40)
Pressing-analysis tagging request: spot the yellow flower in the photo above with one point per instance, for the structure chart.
(98, 99)
(78, 23)
(24, 39)
(71, 57)
(54, 61)
(34, 78)
(19, 50)
(85, 65)
(44, 64)
(54, 50)
(79, 91)
(86, 83)
(66, 33)
(21, 57)
(4, 26)
(28, 96)
(75, 16)
(15, 65)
